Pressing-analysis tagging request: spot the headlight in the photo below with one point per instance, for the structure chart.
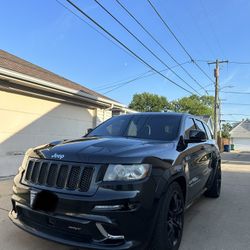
(119, 172)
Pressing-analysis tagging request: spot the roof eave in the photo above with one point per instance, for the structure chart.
(37, 83)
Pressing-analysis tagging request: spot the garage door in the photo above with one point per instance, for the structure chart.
(242, 144)
(27, 121)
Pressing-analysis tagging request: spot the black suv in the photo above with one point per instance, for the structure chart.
(124, 185)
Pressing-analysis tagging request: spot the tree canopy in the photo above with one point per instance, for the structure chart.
(196, 105)
(226, 128)
(147, 102)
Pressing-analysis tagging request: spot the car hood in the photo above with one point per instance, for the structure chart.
(104, 150)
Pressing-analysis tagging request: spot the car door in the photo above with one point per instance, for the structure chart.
(211, 148)
(196, 158)
(205, 160)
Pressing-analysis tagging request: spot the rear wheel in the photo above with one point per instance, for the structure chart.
(214, 190)
(168, 231)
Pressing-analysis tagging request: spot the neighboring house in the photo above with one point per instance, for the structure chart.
(240, 136)
(38, 106)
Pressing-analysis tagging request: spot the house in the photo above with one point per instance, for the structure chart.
(38, 106)
(240, 136)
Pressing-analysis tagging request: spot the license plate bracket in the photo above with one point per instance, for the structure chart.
(44, 201)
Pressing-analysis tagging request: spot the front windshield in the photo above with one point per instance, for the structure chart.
(155, 127)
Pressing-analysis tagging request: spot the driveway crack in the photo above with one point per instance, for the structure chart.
(3, 209)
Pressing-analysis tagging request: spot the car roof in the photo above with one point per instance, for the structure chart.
(158, 113)
(183, 115)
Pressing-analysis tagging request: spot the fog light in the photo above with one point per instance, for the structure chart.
(108, 207)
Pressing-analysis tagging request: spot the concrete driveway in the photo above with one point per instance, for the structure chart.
(217, 224)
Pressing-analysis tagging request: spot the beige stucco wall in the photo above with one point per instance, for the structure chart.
(28, 121)
(102, 115)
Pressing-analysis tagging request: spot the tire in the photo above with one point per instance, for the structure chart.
(169, 226)
(214, 190)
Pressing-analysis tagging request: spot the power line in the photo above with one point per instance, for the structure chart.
(203, 37)
(233, 62)
(237, 114)
(108, 85)
(126, 47)
(176, 38)
(203, 71)
(96, 30)
(236, 92)
(117, 86)
(233, 103)
(157, 41)
(143, 44)
(208, 85)
(141, 76)
(212, 28)
(230, 62)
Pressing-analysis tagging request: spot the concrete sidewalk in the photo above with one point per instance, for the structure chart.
(224, 223)
(210, 224)
(9, 165)
(236, 157)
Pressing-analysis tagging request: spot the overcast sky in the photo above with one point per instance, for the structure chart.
(45, 33)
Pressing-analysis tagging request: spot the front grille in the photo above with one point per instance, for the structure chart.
(59, 175)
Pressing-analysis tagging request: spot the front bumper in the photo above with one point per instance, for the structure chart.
(83, 239)
(74, 222)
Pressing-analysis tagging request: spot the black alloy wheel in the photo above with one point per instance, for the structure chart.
(175, 219)
(169, 226)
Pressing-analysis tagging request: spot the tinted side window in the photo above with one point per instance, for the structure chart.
(200, 126)
(209, 133)
(189, 125)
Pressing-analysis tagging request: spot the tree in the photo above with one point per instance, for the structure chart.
(226, 128)
(194, 105)
(147, 102)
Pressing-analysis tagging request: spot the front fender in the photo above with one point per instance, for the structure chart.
(165, 173)
(170, 175)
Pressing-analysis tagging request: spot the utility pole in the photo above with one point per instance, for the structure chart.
(216, 95)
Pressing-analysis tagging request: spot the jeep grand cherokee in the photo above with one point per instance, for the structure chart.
(124, 185)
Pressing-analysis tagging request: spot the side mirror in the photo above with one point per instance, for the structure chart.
(196, 136)
(89, 130)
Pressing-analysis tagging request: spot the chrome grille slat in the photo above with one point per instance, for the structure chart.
(61, 175)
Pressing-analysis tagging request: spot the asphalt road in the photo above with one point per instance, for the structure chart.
(216, 224)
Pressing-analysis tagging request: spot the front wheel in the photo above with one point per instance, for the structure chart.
(169, 227)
